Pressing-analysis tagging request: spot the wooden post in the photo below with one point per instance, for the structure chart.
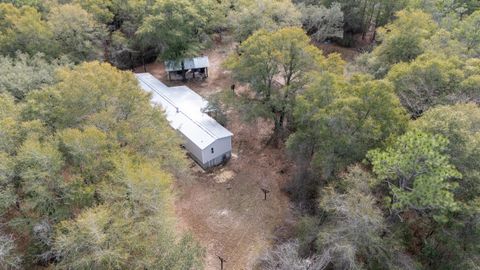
(265, 191)
(222, 260)
(184, 72)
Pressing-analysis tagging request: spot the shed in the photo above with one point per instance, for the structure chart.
(206, 141)
(193, 65)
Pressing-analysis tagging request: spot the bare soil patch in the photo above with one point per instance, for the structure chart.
(361, 44)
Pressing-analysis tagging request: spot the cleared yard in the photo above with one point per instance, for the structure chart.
(225, 208)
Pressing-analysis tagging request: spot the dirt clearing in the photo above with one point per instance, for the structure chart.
(225, 208)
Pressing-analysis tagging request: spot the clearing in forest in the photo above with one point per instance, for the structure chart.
(225, 208)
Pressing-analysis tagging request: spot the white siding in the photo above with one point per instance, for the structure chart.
(193, 149)
(220, 147)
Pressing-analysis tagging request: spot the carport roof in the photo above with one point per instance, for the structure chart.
(189, 63)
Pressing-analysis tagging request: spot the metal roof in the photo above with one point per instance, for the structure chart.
(183, 109)
(189, 63)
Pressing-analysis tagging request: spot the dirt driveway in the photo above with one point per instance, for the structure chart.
(225, 209)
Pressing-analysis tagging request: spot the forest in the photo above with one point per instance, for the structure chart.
(378, 150)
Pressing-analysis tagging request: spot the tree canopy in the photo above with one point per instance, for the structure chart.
(418, 172)
(88, 156)
(339, 121)
(276, 66)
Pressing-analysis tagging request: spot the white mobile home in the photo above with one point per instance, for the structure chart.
(207, 142)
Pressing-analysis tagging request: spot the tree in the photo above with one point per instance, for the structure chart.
(13, 131)
(9, 259)
(177, 28)
(338, 121)
(38, 165)
(360, 16)
(401, 41)
(454, 243)
(418, 172)
(88, 151)
(458, 123)
(91, 147)
(7, 192)
(112, 101)
(430, 80)
(23, 29)
(441, 9)
(468, 32)
(93, 88)
(102, 10)
(275, 65)
(7, 107)
(135, 207)
(252, 15)
(75, 31)
(445, 44)
(286, 256)
(350, 238)
(22, 74)
(321, 22)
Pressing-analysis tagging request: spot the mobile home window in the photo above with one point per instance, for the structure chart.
(211, 150)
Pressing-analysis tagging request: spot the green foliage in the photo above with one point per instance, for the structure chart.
(360, 15)
(12, 131)
(91, 150)
(402, 40)
(350, 238)
(454, 244)
(88, 151)
(23, 29)
(38, 165)
(102, 10)
(276, 66)
(7, 107)
(9, 259)
(339, 121)
(425, 82)
(22, 74)
(136, 207)
(432, 80)
(179, 27)
(418, 172)
(444, 43)
(321, 22)
(441, 9)
(217, 109)
(110, 100)
(75, 32)
(459, 124)
(252, 15)
(7, 194)
(468, 32)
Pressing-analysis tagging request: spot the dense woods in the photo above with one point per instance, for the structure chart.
(386, 147)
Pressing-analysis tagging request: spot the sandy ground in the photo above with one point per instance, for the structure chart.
(225, 208)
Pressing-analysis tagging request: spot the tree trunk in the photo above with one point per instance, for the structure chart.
(377, 19)
(278, 129)
(364, 10)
